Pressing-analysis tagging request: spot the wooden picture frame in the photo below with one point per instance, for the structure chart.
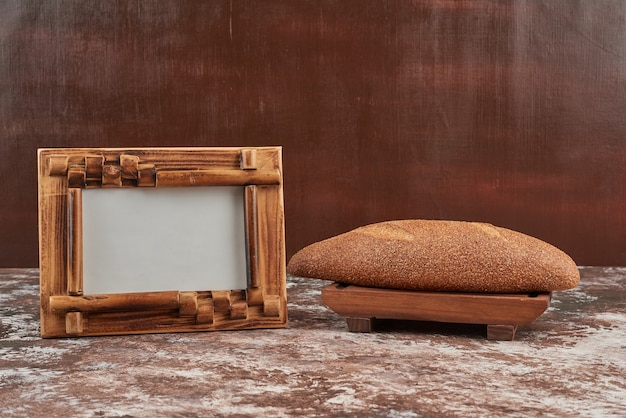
(66, 311)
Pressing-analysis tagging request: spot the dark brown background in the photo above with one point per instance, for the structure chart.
(506, 112)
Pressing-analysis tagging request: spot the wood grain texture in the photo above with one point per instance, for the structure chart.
(251, 235)
(75, 242)
(501, 332)
(463, 308)
(504, 112)
(360, 324)
(65, 311)
(74, 323)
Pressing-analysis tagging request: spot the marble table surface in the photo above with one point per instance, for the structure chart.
(569, 362)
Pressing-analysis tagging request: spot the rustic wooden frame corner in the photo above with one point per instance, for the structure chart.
(67, 312)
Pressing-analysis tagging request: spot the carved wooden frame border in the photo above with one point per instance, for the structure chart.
(64, 173)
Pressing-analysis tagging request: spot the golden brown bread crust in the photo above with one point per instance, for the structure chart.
(438, 255)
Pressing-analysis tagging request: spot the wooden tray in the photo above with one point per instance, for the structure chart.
(502, 313)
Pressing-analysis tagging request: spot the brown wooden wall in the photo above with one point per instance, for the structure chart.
(512, 113)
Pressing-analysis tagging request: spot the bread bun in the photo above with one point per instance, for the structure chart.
(438, 256)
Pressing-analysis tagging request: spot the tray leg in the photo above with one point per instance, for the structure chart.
(360, 324)
(501, 332)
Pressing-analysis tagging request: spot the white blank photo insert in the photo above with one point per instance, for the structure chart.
(149, 240)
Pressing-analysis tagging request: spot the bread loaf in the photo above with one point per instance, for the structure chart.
(439, 256)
